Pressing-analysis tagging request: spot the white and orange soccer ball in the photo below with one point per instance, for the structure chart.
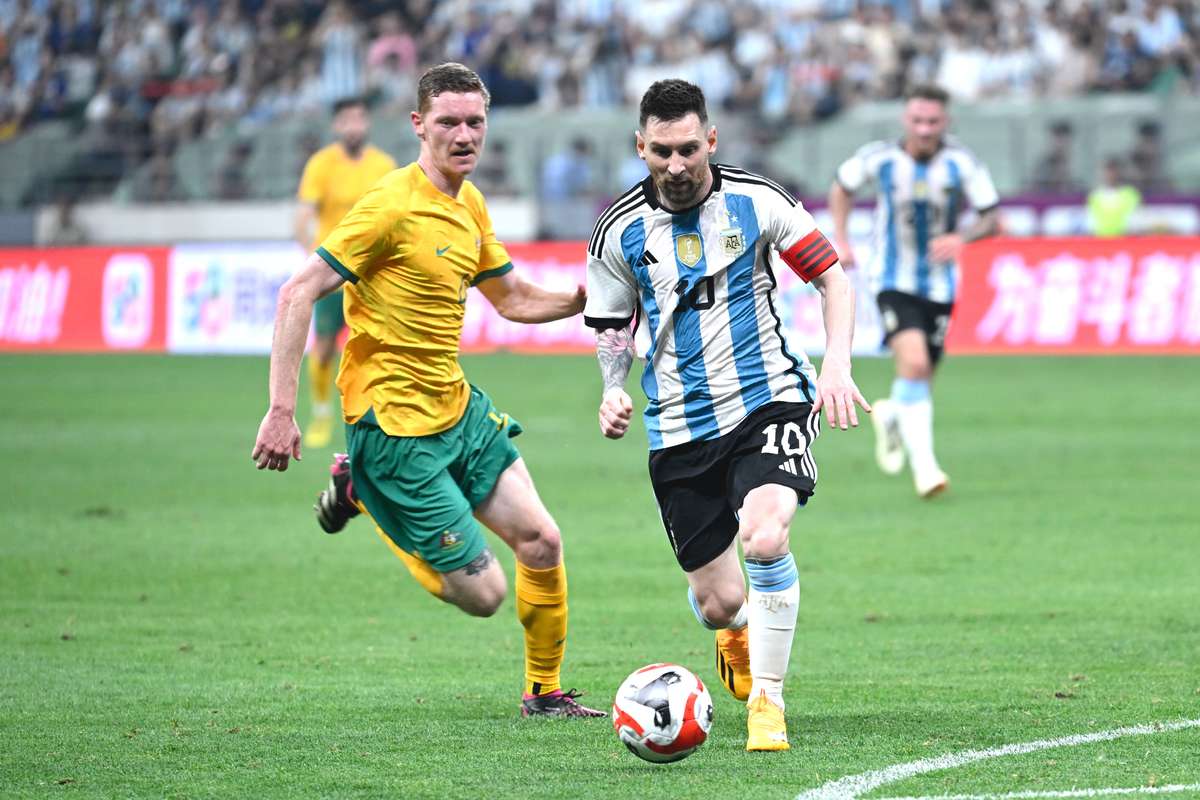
(662, 713)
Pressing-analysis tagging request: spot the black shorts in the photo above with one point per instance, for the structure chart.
(901, 311)
(700, 486)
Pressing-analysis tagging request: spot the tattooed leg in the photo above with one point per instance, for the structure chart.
(477, 588)
(480, 563)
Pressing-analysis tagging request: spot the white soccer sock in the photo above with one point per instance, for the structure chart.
(914, 416)
(774, 603)
(916, 429)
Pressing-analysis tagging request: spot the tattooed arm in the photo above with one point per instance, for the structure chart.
(614, 348)
(948, 246)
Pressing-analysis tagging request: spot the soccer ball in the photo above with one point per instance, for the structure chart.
(662, 713)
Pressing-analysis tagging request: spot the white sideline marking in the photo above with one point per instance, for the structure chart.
(1174, 787)
(852, 786)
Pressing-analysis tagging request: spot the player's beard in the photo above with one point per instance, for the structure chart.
(353, 145)
(677, 193)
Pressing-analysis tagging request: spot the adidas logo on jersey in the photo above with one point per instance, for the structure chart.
(789, 466)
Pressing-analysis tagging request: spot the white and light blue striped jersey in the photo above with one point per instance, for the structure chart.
(702, 280)
(917, 201)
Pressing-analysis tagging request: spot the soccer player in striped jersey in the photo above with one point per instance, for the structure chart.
(926, 183)
(731, 409)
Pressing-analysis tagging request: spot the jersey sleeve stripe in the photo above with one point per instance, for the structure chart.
(336, 265)
(596, 246)
(503, 269)
(739, 173)
(621, 205)
(754, 182)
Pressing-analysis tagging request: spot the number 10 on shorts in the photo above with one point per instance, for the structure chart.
(793, 440)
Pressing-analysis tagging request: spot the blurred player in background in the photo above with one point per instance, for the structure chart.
(924, 183)
(429, 453)
(732, 411)
(334, 178)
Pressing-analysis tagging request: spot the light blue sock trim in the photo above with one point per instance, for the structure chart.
(695, 604)
(907, 392)
(773, 576)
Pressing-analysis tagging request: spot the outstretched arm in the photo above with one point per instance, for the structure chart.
(519, 300)
(279, 435)
(836, 391)
(614, 349)
(302, 225)
(840, 204)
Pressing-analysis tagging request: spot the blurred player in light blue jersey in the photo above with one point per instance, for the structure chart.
(731, 410)
(925, 183)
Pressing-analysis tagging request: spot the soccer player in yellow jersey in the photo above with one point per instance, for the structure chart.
(430, 456)
(334, 178)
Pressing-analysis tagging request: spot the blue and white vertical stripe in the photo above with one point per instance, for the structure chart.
(917, 202)
(717, 352)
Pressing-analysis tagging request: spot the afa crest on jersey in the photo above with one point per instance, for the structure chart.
(733, 242)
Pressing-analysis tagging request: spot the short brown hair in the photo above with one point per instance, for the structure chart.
(449, 77)
(928, 91)
(672, 99)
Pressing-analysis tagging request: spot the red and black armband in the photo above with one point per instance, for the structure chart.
(810, 256)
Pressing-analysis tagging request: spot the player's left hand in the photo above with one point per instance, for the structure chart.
(278, 440)
(946, 247)
(837, 394)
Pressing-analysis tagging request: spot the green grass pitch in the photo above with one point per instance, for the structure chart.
(174, 624)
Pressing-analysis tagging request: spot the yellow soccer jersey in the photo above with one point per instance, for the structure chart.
(333, 182)
(410, 253)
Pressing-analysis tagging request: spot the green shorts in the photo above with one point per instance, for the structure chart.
(421, 490)
(328, 314)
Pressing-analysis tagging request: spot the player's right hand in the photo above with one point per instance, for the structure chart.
(616, 410)
(278, 440)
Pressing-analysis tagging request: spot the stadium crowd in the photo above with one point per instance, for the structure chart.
(140, 76)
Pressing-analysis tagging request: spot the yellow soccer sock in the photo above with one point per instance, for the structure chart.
(320, 382)
(429, 578)
(542, 609)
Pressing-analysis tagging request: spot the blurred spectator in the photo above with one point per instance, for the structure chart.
(14, 104)
(232, 181)
(231, 34)
(158, 73)
(1126, 67)
(492, 176)
(392, 41)
(390, 86)
(65, 230)
(158, 182)
(569, 173)
(1110, 205)
(632, 170)
(1148, 172)
(1052, 174)
(340, 40)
